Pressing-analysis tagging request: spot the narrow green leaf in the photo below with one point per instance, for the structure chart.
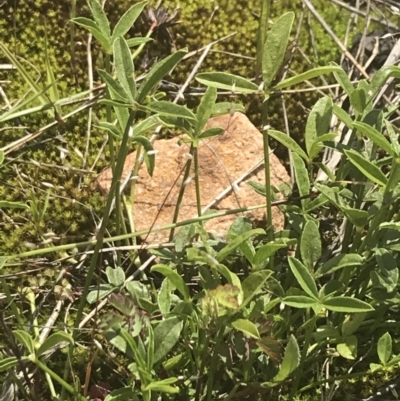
(343, 79)
(352, 323)
(13, 205)
(115, 87)
(92, 27)
(253, 284)
(150, 348)
(288, 142)
(375, 136)
(370, 170)
(157, 72)
(299, 301)
(358, 100)
(24, 73)
(318, 122)
(166, 335)
(357, 217)
(175, 279)
(290, 362)
(211, 133)
(164, 296)
(8, 363)
(124, 67)
(246, 327)
(302, 178)
(317, 146)
(205, 108)
(234, 244)
(342, 116)
(25, 339)
(128, 19)
(149, 157)
(303, 277)
(267, 250)
(169, 109)
(315, 72)
(132, 42)
(224, 80)
(163, 386)
(339, 262)
(110, 128)
(54, 340)
(384, 348)
(100, 17)
(393, 137)
(347, 305)
(124, 393)
(146, 125)
(310, 245)
(275, 48)
(223, 108)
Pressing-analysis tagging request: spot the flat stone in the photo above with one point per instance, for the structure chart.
(222, 160)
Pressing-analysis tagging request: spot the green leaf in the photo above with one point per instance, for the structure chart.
(387, 275)
(317, 146)
(13, 205)
(164, 296)
(211, 133)
(25, 339)
(246, 327)
(393, 137)
(339, 262)
(149, 159)
(302, 178)
(347, 305)
(157, 72)
(253, 284)
(115, 87)
(150, 348)
(289, 364)
(288, 142)
(175, 279)
(121, 394)
(267, 250)
(352, 323)
(116, 277)
(275, 48)
(92, 27)
(124, 67)
(315, 72)
(348, 348)
(132, 42)
(299, 301)
(342, 116)
(384, 348)
(100, 17)
(224, 80)
(163, 386)
(370, 170)
(169, 109)
(357, 217)
(343, 79)
(375, 136)
(318, 122)
(166, 335)
(110, 128)
(128, 19)
(303, 277)
(310, 245)
(223, 108)
(205, 108)
(8, 363)
(358, 100)
(146, 125)
(1, 157)
(54, 340)
(235, 243)
(103, 291)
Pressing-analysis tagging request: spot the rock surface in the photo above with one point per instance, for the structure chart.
(222, 160)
